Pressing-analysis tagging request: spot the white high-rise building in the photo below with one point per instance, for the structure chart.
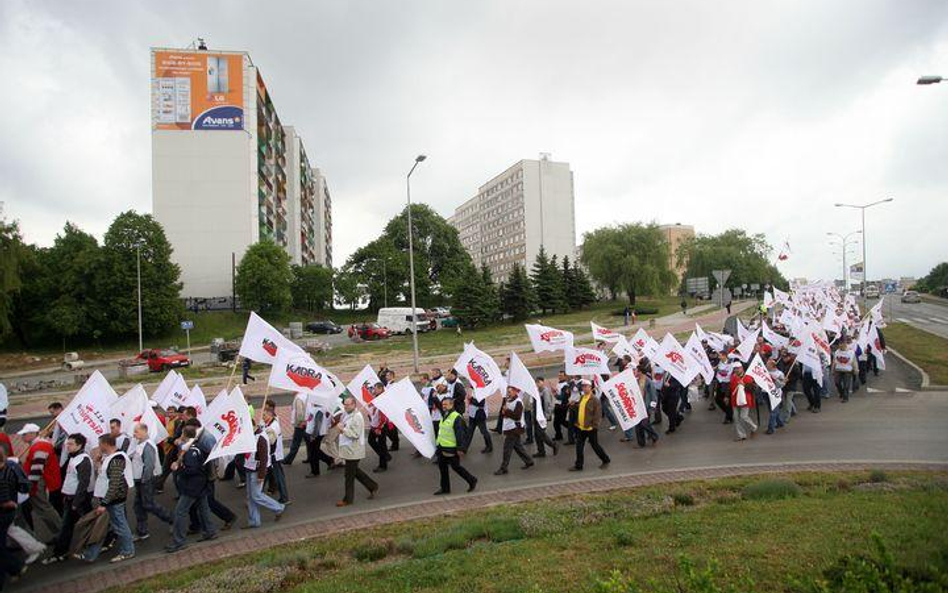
(528, 205)
(226, 172)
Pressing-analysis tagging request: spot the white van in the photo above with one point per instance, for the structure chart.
(398, 320)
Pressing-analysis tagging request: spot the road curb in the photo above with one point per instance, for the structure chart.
(926, 382)
(136, 570)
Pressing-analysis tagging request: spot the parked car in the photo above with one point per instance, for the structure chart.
(368, 331)
(163, 360)
(871, 292)
(911, 296)
(324, 327)
(441, 312)
(399, 320)
(449, 322)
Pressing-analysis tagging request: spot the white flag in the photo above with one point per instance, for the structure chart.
(698, 355)
(741, 330)
(624, 348)
(775, 339)
(481, 370)
(548, 339)
(645, 344)
(177, 393)
(781, 296)
(586, 361)
(758, 371)
(217, 407)
(875, 313)
(673, 358)
(519, 377)
(89, 411)
(297, 372)
(604, 334)
(133, 408)
(263, 343)
(769, 300)
(196, 399)
(746, 347)
(409, 412)
(362, 384)
(877, 350)
(625, 398)
(233, 422)
(809, 356)
(161, 392)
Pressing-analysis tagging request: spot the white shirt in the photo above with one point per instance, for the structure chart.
(277, 431)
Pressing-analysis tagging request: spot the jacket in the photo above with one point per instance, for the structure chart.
(192, 476)
(592, 415)
(460, 434)
(748, 382)
(41, 462)
(117, 492)
(352, 437)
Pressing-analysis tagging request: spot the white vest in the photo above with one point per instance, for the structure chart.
(843, 360)
(510, 423)
(250, 459)
(278, 443)
(71, 481)
(293, 419)
(138, 463)
(102, 480)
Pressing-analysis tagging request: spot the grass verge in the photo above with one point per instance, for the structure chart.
(921, 347)
(583, 543)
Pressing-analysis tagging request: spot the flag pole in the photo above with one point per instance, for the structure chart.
(232, 371)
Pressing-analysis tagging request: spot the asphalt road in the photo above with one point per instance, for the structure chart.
(890, 422)
(930, 317)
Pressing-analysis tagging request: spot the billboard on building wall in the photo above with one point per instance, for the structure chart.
(198, 90)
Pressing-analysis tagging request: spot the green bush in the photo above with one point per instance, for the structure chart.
(688, 579)
(624, 537)
(773, 489)
(461, 535)
(370, 551)
(877, 476)
(638, 311)
(683, 499)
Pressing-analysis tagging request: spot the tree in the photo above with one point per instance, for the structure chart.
(264, 278)
(579, 292)
(747, 256)
(489, 301)
(548, 283)
(936, 279)
(347, 287)
(517, 297)
(11, 262)
(633, 258)
(476, 303)
(68, 271)
(116, 286)
(312, 287)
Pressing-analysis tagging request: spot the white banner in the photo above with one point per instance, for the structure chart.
(297, 372)
(176, 394)
(133, 408)
(758, 371)
(604, 334)
(362, 384)
(625, 398)
(809, 356)
(196, 399)
(217, 407)
(234, 424)
(407, 410)
(586, 361)
(263, 343)
(877, 350)
(775, 339)
(88, 412)
(673, 358)
(518, 376)
(624, 348)
(481, 370)
(741, 330)
(645, 344)
(698, 355)
(746, 347)
(548, 339)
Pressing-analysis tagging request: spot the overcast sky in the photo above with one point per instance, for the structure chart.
(759, 115)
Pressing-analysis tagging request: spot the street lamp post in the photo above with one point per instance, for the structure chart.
(844, 244)
(411, 266)
(138, 265)
(862, 209)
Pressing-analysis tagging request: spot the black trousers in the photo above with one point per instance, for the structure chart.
(353, 473)
(316, 455)
(644, 429)
(392, 433)
(9, 563)
(541, 438)
(453, 462)
(379, 444)
(479, 422)
(722, 392)
(70, 517)
(811, 389)
(299, 437)
(512, 443)
(218, 509)
(559, 421)
(572, 415)
(670, 401)
(593, 437)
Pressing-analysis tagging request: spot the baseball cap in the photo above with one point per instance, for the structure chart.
(28, 428)
(585, 382)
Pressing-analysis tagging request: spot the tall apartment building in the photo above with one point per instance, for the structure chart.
(528, 205)
(226, 172)
(675, 235)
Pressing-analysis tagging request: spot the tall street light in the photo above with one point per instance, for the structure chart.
(844, 243)
(923, 80)
(862, 209)
(138, 265)
(411, 265)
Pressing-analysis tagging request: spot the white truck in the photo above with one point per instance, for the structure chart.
(398, 320)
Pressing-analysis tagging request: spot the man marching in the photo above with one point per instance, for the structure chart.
(452, 445)
(511, 415)
(588, 416)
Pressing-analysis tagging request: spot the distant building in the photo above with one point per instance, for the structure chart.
(675, 235)
(226, 172)
(529, 205)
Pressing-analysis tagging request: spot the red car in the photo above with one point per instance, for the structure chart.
(368, 331)
(162, 360)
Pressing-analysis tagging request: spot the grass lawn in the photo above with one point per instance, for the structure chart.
(921, 347)
(752, 528)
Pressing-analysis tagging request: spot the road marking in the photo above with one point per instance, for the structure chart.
(874, 390)
(938, 320)
(902, 319)
(901, 390)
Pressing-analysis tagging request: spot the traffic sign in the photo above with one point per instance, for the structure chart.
(186, 325)
(721, 276)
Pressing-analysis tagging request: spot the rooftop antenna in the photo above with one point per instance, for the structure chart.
(201, 45)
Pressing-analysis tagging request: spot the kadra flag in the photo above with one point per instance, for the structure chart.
(699, 357)
(263, 343)
(89, 411)
(626, 400)
(233, 423)
(548, 339)
(406, 409)
(362, 384)
(758, 371)
(481, 370)
(586, 361)
(604, 334)
(296, 371)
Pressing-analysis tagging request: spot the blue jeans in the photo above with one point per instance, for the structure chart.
(256, 499)
(774, 421)
(182, 515)
(121, 530)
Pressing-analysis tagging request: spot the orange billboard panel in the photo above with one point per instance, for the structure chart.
(198, 90)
